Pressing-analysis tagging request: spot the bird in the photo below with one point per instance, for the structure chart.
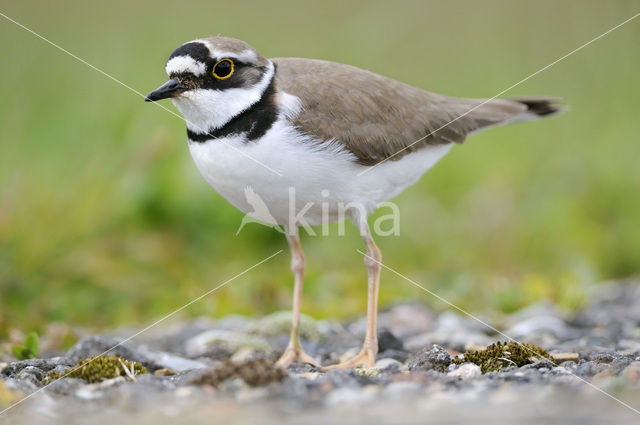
(326, 134)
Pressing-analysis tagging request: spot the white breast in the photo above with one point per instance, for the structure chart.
(322, 175)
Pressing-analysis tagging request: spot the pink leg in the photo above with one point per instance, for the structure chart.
(294, 351)
(367, 356)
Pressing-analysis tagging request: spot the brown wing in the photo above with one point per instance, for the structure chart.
(377, 118)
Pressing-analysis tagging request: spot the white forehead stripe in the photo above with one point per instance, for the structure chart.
(248, 56)
(181, 64)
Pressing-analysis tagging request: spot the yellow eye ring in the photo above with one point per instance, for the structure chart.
(215, 70)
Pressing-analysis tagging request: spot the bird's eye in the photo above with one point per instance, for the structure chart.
(223, 69)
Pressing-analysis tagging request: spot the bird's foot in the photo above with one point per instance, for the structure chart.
(295, 355)
(366, 357)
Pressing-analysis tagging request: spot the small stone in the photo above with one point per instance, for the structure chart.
(31, 373)
(175, 363)
(44, 365)
(466, 371)
(591, 368)
(232, 341)
(560, 370)
(405, 320)
(537, 363)
(471, 346)
(565, 357)
(388, 365)
(21, 386)
(388, 341)
(434, 358)
(164, 372)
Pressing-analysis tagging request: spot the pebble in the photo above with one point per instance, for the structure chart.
(43, 365)
(565, 357)
(433, 358)
(540, 364)
(389, 365)
(176, 363)
(164, 372)
(599, 343)
(202, 343)
(388, 341)
(407, 319)
(466, 371)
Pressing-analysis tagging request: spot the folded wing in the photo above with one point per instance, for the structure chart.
(377, 118)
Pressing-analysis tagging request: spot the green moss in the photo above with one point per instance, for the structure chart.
(99, 368)
(503, 354)
(255, 372)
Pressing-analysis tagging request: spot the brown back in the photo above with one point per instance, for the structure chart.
(376, 117)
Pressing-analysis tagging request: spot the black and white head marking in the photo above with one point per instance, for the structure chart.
(214, 107)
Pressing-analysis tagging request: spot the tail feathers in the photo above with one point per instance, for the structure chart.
(480, 114)
(541, 106)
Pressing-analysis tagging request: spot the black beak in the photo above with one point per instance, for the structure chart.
(167, 90)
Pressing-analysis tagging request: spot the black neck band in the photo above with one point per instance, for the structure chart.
(254, 121)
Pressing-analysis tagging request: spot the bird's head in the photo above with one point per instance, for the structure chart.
(212, 79)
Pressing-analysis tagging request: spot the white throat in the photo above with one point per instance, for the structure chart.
(208, 109)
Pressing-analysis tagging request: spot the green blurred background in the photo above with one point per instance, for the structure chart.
(105, 221)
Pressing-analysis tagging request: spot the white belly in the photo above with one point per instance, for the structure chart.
(284, 173)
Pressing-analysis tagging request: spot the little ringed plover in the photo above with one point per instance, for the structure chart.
(334, 134)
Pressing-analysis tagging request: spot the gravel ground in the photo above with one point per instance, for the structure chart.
(206, 371)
